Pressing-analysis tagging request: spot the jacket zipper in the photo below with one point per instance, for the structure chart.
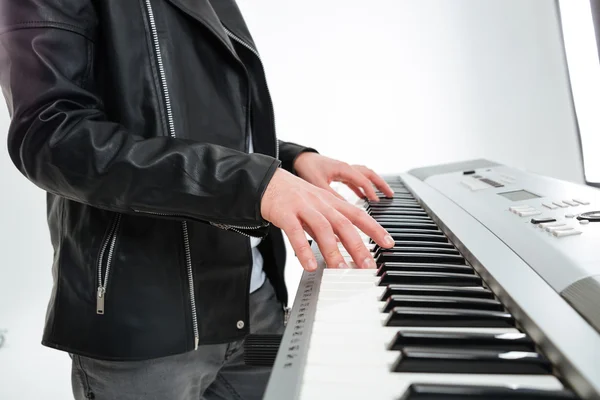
(109, 244)
(249, 47)
(163, 82)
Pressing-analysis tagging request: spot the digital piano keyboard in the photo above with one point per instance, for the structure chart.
(492, 291)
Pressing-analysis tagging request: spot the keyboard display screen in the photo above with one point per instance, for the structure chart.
(518, 195)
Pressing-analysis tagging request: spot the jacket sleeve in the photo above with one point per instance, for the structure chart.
(61, 139)
(288, 152)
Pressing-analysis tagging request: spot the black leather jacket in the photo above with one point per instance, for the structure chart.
(133, 115)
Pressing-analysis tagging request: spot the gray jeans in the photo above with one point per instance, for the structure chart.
(211, 372)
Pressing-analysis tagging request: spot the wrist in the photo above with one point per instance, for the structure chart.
(301, 158)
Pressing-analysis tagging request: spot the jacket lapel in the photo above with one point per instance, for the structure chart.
(231, 16)
(202, 11)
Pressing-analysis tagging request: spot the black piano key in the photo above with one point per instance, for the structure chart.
(402, 235)
(408, 224)
(393, 206)
(428, 278)
(410, 227)
(414, 243)
(399, 211)
(398, 202)
(433, 391)
(421, 257)
(415, 249)
(463, 340)
(408, 220)
(426, 267)
(452, 361)
(463, 303)
(417, 219)
(398, 196)
(461, 291)
(402, 214)
(448, 318)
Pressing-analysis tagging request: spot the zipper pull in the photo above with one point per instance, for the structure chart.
(196, 341)
(100, 300)
(286, 311)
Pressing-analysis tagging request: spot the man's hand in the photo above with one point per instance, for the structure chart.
(321, 171)
(297, 206)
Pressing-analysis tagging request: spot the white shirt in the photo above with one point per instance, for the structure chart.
(258, 274)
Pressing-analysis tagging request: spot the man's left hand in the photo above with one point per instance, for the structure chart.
(321, 171)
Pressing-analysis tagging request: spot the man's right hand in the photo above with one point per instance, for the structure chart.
(296, 206)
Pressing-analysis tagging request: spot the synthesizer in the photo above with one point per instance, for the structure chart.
(492, 291)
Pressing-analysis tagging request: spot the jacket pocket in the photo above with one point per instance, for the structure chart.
(105, 259)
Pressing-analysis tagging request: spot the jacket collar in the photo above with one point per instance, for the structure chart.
(231, 16)
(216, 13)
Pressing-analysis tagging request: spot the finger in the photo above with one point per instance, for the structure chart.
(333, 192)
(356, 190)
(350, 238)
(354, 177)
(312, 235)
(367, 224)
(379, 182)
(295, 233)
(324, 236)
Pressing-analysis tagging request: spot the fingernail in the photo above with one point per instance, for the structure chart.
(343, 266)
(388, 240)
(369, 263)
(312, 265)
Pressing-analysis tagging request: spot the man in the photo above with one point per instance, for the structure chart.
(149, 125)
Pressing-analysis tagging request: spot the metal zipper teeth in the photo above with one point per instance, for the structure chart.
(218, 225)
(163, 78)
(246, 45)
(112, 239)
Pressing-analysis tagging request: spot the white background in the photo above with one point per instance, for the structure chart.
(387, 83)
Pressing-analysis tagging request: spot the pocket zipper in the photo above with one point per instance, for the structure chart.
(109, 244)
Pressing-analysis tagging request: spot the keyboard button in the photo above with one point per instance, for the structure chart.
(542, 220)
(528, 213)
(448, 318)
(428, 278)
(566, 232)
(489, 341)
(423, 359)
(524, 207)
(442, 302)
(477, 392)
(424, 290)
(557, 227)
(582, 202)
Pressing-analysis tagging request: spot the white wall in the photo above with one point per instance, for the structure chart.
(392, 84)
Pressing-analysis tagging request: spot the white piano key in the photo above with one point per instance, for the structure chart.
(353, 382)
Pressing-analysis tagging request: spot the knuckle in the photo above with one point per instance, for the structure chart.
(295, 230)
(357, 247)
(332, 254)
(343, 223)
(304, 249)
(322, 226)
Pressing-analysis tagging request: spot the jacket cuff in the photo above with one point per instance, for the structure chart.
(289, 152)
